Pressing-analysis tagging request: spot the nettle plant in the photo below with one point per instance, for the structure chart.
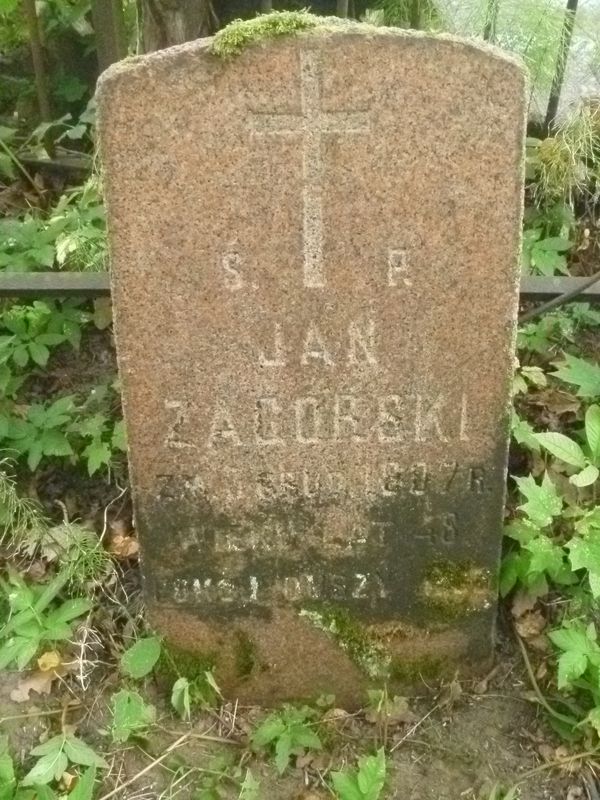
(78, 431)
(556, 537)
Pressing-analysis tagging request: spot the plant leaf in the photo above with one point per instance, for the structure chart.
(592, 432)
(563, 448)
(139, 660)
(80, 753)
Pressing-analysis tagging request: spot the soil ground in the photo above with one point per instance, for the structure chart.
(459, 742)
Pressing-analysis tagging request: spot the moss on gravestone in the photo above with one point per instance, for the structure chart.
(233, 39)
(453, 589)
(352, 637)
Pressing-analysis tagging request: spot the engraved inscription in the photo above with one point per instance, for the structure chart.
(398, 268)
(231, 263)
(317, 419)
(357, 347)
(366, 586)
(312, 123)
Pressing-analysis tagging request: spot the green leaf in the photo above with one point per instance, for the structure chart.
(543, 502)
(39, 353)
(119, 440)
(283, 751)
(371, 775)
(346, 786)
(556, 243)
(55, 443)
(545, 555)
(21, 355)
(84, 789)
(592, 433)
(563, 448)
(131, 715)
(80, 753)
(139, 660)
(268, 731)
(250, 787)
(581, 373)
(97, 454)
(586, 477)
(7, 772)
(571, 665)
(180, 697)
(69, 610)
(49, 767)
(584, 553)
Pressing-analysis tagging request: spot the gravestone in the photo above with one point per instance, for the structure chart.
(315, 282)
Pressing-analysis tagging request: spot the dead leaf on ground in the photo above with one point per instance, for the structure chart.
(450, 694)
(530, 625)
(123, 547)
(393, 712)
(49, 661)
(38, 681)
(522, 603)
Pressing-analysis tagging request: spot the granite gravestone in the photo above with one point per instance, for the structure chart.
(315, 281)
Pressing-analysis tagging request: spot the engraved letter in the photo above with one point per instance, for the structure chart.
(308, 420)
(268, 410)
(464, 420)
(174, 439)
(314, 347)
(361, 344)
(231, 263)
(428, 417)
(389, 419)
(398, 267)
(222, 429)
(346, 418)
(277, 359)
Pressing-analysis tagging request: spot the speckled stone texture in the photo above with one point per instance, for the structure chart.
(314, 267)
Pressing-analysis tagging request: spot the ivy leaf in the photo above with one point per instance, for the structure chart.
(140, 659)
(543, 502)
(563, 448)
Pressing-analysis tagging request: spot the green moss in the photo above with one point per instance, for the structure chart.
(176, 663)
(245, 654)
(235, 37)
(411, 671)
(366, 652)
(454, 589)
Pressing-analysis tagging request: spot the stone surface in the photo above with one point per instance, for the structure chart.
(314, 253)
